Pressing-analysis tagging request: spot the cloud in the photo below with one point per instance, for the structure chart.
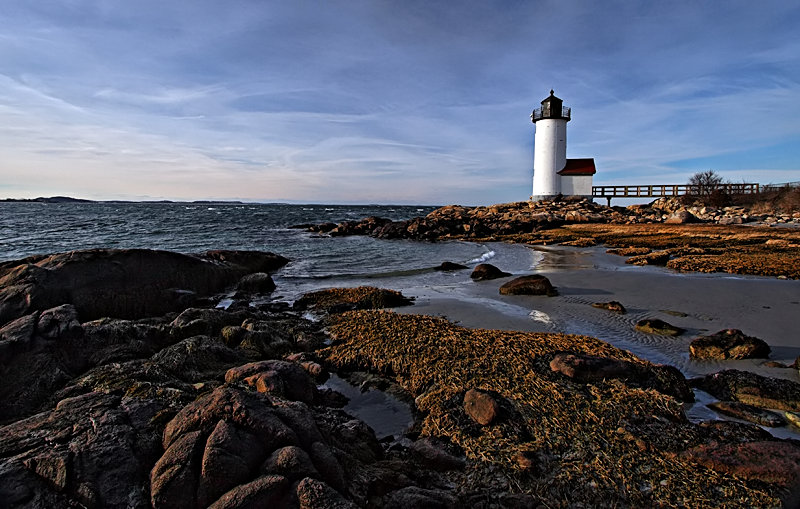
(364, 101)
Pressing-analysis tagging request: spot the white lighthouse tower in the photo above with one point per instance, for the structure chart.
(550, 147)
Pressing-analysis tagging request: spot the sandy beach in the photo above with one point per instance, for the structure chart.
(763, 307)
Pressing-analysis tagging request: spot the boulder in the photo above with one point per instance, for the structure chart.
(728, 344)
(315, 494)
(769, 461)
(655, 258)
(487, 271)
(592, 369)
(535, 284)
(122, 283)
(256, 283)
(92, 450)
(481, 406)
(656, 326)
(285, 379)
(751, 388)
(447, 266)
(613, 306)
(434, 454)
(681, 217)
(748, 413)
(413, 496)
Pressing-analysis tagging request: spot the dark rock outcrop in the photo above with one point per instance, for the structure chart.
(728, 344)
(127, 283)
(487, 271)
(534, 284)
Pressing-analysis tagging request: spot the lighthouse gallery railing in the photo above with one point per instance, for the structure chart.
(538, 115)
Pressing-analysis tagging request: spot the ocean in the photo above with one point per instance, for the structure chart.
(317, 261)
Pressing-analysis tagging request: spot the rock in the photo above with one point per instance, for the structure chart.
(285, 379)
(481, 406)
(42, 351)
(487, 271)
(336, 300)
(266, 491)
(451, 266)
(413, 496)
(257, 283)
(612, 306)
(748, 413)
(231, 456)
(314, 494)
(122, 283)
(203, 321)
(728, 344)
(291, 462)
(681, 217)
(730, 220)
(92, 450)
(656, 326)
(197, 359)
(592, 369)
(656, 258)
(769, 461)
(750, 388)
(535, 284)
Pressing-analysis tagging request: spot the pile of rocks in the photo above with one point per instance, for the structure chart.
(676, 211)
(520, 218)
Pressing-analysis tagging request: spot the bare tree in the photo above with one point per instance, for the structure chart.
(705, 183)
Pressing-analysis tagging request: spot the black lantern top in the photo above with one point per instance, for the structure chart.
(552, 107)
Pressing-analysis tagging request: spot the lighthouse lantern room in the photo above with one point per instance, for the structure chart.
(553, 174)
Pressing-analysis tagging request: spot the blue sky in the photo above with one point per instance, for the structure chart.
(387, 102)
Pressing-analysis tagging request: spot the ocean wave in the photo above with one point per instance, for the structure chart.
(483, 258)
(539, 316)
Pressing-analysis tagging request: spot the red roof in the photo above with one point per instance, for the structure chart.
(579, 167)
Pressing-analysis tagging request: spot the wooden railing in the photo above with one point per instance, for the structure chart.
(659, 190)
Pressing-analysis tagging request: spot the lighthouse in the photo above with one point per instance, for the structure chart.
(553, 173)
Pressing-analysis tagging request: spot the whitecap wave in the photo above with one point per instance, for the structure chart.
(483, 258)
(539, 316)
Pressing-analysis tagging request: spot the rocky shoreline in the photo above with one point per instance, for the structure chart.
(125, 386)
(666, 232)
(113, 354)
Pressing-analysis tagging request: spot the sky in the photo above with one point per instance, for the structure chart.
(373, 101)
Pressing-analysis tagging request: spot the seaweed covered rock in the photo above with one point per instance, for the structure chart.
(769, 461)
(613, 306)
(337, 300)
(748, 413)
(534, 284)
(656, 326)
(728, 344)
(487, 271)
(591, 368)
(751, 388)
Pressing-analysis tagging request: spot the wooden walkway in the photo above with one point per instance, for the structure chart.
(660, 190)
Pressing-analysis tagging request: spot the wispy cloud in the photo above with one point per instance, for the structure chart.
(364, 101)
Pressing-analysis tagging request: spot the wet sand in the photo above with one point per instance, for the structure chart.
(763, 307)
